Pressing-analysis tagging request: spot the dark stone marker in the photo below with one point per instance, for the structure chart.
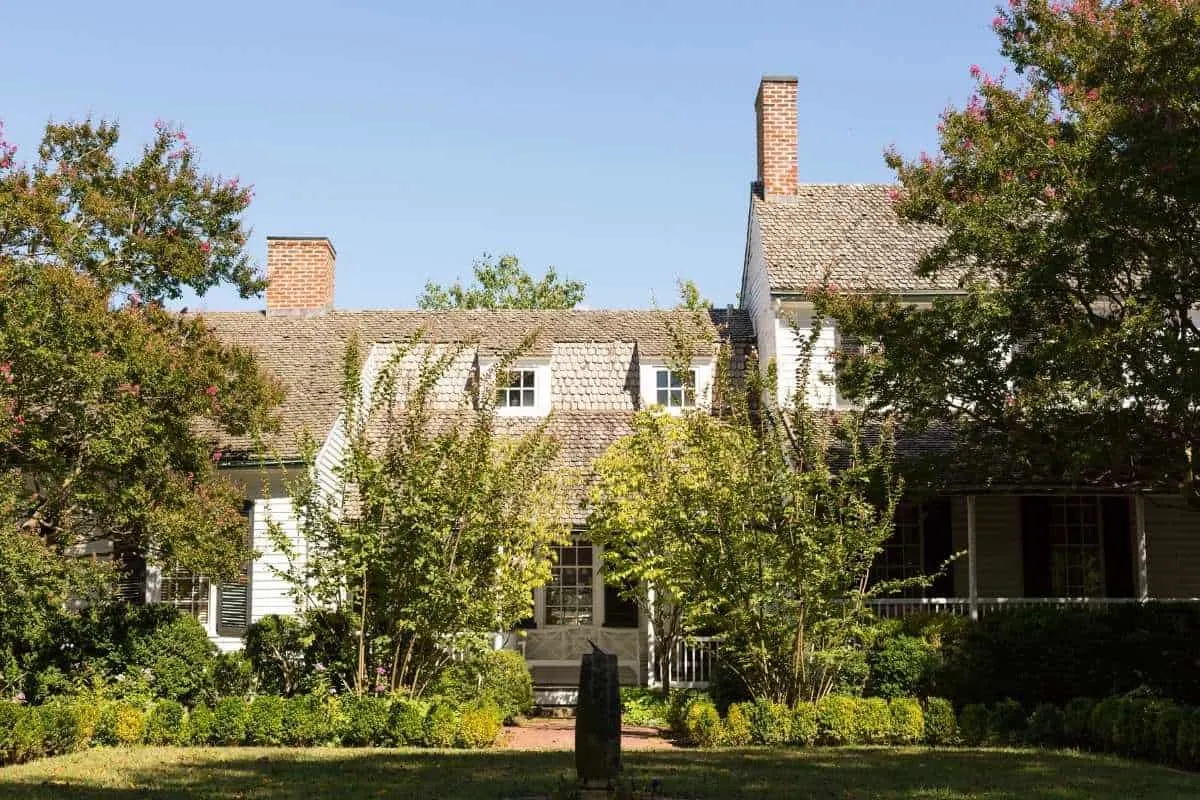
(598, 719)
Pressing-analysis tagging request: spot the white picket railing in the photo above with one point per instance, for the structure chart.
(691, 664)
(892, 607)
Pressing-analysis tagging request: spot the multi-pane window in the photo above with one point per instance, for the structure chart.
(673, 390)
(186, 591)
(1076, 552)
(515, 389)
(570, 595)
(902, 555)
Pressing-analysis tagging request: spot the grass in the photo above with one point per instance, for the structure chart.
(346, 774)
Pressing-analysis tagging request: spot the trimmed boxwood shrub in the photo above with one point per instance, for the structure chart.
(21, 734)
(1187, 747)
(119, 723)
(703, 723)
(1007, 723)
(62, 728)
(264, 721)
(365, 720)
(677, 707)
(1046, 726)
(165, 723)
(836, 719)
(199, 727)
(873, 721)
(1077, 721)
(900, 666)
(229, 721)
(941, 726)
(908, 721)
(441, 726)
(479, 724)
(306, 721)
(1166, 734)
(974, 724)
(1102, 724)
(406, 722)
(736, 731)
(770, 722)
(802, 725)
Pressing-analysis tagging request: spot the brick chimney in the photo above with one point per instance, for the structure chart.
(775, 108)
(299, 275)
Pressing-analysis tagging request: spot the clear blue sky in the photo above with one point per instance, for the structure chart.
(612, 140)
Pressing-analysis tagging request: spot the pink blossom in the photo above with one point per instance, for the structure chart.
(1093, 94)
(211, 391)
(20, 419)
(976, 71)
(967, 143)
(1051, 141)
(893, 195)
(997, 22)
(205, 247)
(216, 456)
(1049, 193)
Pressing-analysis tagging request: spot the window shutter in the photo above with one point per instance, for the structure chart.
(1118, 546)
(1035, 545)
(233, 599)
(131, 577)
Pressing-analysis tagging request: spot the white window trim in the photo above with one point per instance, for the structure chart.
(541, 385)
(648, 376)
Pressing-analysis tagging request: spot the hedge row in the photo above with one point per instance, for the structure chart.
(1136, 727)
(68, 724)
(834, 720)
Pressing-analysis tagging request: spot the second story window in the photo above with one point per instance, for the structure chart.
(674, 390)
(516, 388)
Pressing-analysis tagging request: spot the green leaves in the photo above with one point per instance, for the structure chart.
(504, 284)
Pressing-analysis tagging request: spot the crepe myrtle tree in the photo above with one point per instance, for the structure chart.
(1069, 197)
(109, 402)
(436, 526)
(504, 283)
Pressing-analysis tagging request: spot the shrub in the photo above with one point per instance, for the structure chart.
(229, 721)
(27, 737)
(677, 707)
(366, 720)
(119, 723)
(770, 722)
(1166, 734)
(264, 720)
(1008, 722)
(231, 675)
(1135, 726)
(1102, 724)
(479, 724)
(441, 725)
(1187, 747)
(836, 719)
(406, 722)
(501, 675)
(735, 731)
(874, 722)
(199, 727)
(1077, 721)
(643, 707)
(974, 724)
(1047, 726)
(1051, 655)
(908, 720)
(802, 725)
(941, 726)
(165, 723)
(900, 666)
(703, 723)
(306, 721)
(62, 727)
(274, 648)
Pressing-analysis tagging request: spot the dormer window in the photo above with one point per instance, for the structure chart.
(516, 388)
(672, 390)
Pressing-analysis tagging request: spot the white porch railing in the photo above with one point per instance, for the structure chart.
(692, 663)
(891, 607)
(565, 645)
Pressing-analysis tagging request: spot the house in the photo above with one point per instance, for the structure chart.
(1024, 543)
(592, 370)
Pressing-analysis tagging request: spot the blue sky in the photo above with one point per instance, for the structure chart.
(613, 140)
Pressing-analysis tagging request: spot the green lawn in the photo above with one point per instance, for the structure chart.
(344, 774)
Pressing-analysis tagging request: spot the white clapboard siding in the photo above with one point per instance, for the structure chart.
(998, 542)
(789, 340)
(268, 590)
(756, 296)
(1172, 547)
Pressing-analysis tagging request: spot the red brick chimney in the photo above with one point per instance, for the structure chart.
(775, 108)
(299, 275)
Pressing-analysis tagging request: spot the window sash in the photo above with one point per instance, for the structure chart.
(516, 388)
(186, 591)
(570, 595)
(1076, 547)
(672, 392)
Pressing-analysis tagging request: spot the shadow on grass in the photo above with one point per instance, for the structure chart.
(907, 774)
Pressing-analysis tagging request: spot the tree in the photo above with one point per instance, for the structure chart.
(757, 521)
(504, 284)
(1070, 202)
(107, 400)
(438, 526)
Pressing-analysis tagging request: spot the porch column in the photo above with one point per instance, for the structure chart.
(1143, 570)
(972, 577)
(648, 663)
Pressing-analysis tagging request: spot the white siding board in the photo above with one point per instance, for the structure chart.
(1172, 547)
(998, 541)
(269, 592)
